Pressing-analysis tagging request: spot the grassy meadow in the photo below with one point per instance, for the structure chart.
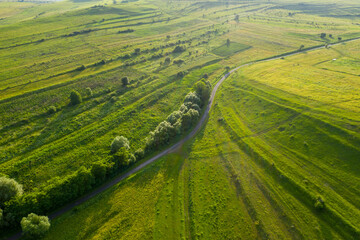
(282, 134)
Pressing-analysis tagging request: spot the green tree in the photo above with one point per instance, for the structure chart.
(125, 81)
(75, 97)
(228, 42)
(98, 170)
(34, 226)
(167, 61)
(51, 110)
(9, 188)
(119, 142)
(323, 35)
(203, 90)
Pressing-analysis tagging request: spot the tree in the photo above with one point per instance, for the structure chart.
(121, 157)
(192, 97)
(174, 116)
(179, 49)
(137, 51)
(125, 81)
(98, 170)
(203, 90)
(119, 142)
(9, 188)
(34, 226)
(75, 97)
(139, 154)
(189, 119)
(228, 42)
(323, 35)
(301, 47)
(339, 38)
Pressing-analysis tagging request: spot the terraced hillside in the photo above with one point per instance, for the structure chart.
(282, 137)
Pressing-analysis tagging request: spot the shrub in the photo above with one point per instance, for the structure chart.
(88, 92)
(75, 97)
(167, 61)
(179, 49)
(51, 110)
(121, 158)
(119, 142)
(180, 74)
(319, 203)
(179, 62)
(35, 226)
(9, 188)
(125, 81)
(163, 133)
(81, 68)
(323, 35)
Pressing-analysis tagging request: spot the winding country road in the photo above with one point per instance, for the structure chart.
(175, 146)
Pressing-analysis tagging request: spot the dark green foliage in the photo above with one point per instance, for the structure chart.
(206, 76)
(98, 170)
(125, 81)
(178, 62)
(323, 35)
(89, 92)
(203, 90)
(227, 68)
(137, 51)
(179, 49)
(189, 119)
(167, 61)
(81, 68)
(301, 47)
(51, 110)
(127, 31)
(228, 42)
(34, 226)
(180, 74)
(339, 38)
(121, 158)
(163, 133)
(119, 142)
(174, 117)
(9, 189)
(319, 203)
(139, 154)
(193, 98)
(75, 97)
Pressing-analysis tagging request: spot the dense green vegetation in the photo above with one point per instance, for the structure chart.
(89, 90)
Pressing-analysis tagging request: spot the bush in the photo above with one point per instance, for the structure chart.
(121, 158)
(9, 189)
(180, 74)
(125, 81)
(119, 142)
(75, 97)
(81, 68)
(88, 92)
(179, 62)
(34, 226)
(167, 61)
(179, 49)
(51, 110)
(319, 203)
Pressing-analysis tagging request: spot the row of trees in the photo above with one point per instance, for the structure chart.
(33, 226)
(17, 207)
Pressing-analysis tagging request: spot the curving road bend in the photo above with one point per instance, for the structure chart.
(172, 148)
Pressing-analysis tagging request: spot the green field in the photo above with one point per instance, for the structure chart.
(281, 133)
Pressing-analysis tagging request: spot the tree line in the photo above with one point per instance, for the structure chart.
(18, 208)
